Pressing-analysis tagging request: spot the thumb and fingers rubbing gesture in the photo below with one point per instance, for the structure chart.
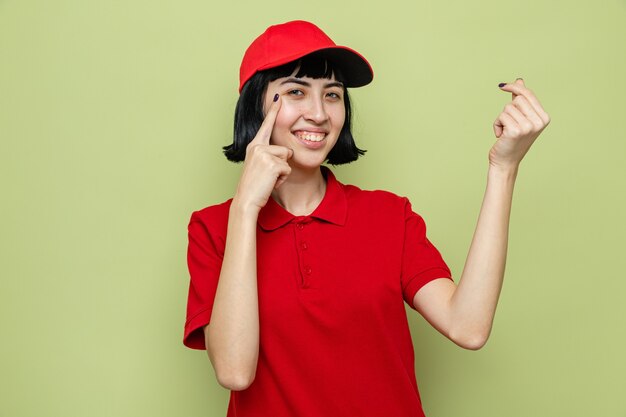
(265, 166)
(517, 127)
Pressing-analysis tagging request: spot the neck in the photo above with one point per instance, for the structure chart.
(302, 192)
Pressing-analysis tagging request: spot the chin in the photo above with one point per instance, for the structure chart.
(306, 163)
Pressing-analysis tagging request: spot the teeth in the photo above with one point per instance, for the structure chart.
(313, 137)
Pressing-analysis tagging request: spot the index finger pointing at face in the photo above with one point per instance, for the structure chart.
(265, 131)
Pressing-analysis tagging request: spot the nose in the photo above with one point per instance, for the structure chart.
(316, 111)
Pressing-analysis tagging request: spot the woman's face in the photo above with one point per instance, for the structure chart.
(310, 118)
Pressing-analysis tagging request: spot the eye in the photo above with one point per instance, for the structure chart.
(295, 92)
(334, 95)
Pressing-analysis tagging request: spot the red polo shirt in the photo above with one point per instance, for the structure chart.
(334, 336)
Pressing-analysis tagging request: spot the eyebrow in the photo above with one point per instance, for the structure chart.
(306, 84)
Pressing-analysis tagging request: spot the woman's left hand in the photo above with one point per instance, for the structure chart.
(517, 127)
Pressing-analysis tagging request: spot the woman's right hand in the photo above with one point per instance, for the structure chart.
(265, 167)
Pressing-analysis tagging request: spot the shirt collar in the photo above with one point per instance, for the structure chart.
(333, 208)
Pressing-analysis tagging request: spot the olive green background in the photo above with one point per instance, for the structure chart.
(112, 118)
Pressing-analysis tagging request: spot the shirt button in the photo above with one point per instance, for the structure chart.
(304, 246)
(300, 226)
(307, 270)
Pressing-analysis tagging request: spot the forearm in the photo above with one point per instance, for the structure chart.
(473, 303)
(233, 334)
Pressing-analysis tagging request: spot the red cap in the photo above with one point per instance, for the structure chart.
(283, 43)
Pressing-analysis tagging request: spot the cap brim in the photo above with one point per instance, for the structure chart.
(356, 69)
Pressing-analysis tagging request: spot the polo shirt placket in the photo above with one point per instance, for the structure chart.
(301, 227)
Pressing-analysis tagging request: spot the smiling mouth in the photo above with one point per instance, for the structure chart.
(310, 136)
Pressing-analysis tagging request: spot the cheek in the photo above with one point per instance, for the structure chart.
(287, 116)
(338, 116)
(282, 126)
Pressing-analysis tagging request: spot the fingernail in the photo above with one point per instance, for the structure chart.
(519, 79)
(501, 85)
(276, 97)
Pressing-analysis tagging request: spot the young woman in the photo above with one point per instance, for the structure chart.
(298, 282)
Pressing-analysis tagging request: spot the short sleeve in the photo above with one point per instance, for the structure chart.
(205, 254)
(421, 261)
